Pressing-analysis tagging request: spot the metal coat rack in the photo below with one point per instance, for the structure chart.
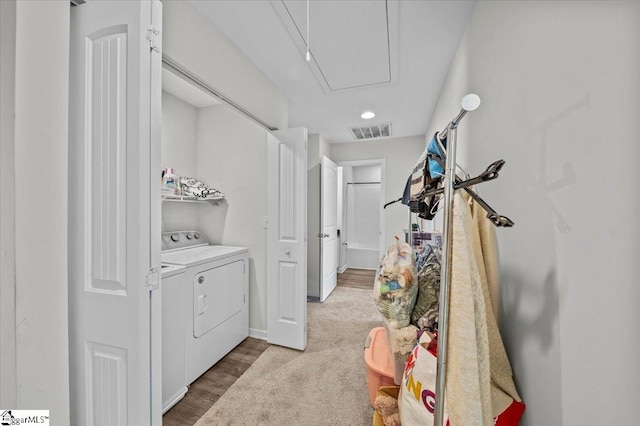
(452, 182)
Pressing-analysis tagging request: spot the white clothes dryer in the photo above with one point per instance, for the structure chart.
(173, 314)
(216, 297)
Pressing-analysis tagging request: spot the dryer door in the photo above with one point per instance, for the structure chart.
(218, 294)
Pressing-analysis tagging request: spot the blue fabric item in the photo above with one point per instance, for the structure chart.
(393, 285)
(421, 256)
(435, 170)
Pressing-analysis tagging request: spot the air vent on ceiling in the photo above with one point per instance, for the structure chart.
(371, 132)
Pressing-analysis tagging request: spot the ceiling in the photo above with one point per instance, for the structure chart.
(390, 57)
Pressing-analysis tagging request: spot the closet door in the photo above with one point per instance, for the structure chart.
(286, 238)
(111, 206)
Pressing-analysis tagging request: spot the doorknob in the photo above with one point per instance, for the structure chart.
(346, 243)
(287, 252)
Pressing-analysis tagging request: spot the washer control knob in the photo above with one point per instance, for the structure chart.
(196, 235)
(175, 237)
(189, 235)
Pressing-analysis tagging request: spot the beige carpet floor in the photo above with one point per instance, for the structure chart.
(324, 385)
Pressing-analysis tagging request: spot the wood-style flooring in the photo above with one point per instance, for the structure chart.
(357, 278)
(209, 387)
(206, 390)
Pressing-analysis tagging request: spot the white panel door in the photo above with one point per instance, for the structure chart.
(113, 209)
(286, 238)
(329, 228)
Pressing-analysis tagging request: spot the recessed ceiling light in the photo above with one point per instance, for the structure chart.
(367, 115)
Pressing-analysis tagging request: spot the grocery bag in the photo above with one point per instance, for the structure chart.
(417, 399)
(395, 289)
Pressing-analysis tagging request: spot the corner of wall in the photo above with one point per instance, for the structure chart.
(41, 146)
(8, 390)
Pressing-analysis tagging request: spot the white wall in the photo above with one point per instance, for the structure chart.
(194, 43)
(401, 154)
(179, 130)
(7, 204)
(178, 135)
(366, 174)
(40, 146)
(232, 152)
(363, 216)
(560, 100)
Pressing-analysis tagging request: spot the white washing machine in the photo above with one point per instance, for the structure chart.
(216, 286)
(173, 315)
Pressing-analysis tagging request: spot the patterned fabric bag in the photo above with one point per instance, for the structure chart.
(425, 312)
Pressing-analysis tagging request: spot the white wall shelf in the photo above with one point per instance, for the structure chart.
(191, 199)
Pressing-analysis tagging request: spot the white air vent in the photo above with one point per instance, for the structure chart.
(371, 132)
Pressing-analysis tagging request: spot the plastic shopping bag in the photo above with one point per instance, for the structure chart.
(416, 401)
(395, 288)
(417, 390)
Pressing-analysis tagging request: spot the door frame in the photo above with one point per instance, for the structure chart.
(383, 186)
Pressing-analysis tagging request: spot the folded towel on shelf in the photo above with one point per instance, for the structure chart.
(193, 187)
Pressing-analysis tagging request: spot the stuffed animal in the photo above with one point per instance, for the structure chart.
(387, 407)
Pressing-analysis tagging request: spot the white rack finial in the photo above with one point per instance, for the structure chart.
(470, 102)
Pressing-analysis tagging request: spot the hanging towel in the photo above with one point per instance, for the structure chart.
(488, 243)
(479, 377)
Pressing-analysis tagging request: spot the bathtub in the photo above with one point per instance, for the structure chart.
(362, 257)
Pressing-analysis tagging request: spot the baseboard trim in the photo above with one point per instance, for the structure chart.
(258, 334)
(341, 270)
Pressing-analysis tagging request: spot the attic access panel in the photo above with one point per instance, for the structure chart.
(351, 42)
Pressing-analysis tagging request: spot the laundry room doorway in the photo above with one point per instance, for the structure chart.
(360, 213)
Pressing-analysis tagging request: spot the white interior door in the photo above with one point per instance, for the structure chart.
(343, 206)
(286, 238)
(112, 213)
(329, 228)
